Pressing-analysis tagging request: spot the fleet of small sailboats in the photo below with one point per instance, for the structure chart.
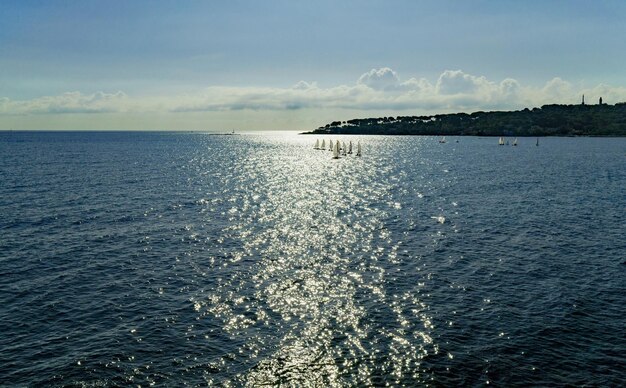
(338, 147)
(502, 141)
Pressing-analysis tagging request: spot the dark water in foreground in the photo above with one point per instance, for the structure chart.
(171, 259)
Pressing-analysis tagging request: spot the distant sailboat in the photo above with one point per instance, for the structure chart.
(350, 147)
(323, 147)
(344, 149)
(501, 141)
(358, 148)
(515, 142)
(537, 144)
(336, 150)
(443, 140)
(330, 145)
(317, 144)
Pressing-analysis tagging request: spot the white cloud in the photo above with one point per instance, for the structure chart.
(457, 82)
(70, 102)
(379, 79)
(509, 87)
(303, 85)
(557, 89)
(378, 89)
(413, 84)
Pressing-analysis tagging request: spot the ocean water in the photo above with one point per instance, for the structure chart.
(176, 259)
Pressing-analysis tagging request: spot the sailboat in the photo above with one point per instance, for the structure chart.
(515, 142)
(350, 147)
(344, 149)
(443, 140)
(317, 144)
(537, 144)
(330, 145)
(501, 141)
(358, 148)
(336, 150)
(323, 147)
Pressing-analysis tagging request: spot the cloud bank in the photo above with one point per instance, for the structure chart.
(377, 89)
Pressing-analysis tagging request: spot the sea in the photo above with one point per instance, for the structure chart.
(197, 259)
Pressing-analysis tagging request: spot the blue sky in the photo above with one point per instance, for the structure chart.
(297, 64)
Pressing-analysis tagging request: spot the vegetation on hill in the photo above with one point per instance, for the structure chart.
(549, 120)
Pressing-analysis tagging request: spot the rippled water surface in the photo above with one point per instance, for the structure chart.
(171, 259)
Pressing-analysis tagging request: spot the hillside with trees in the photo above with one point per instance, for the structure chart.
(549, 120)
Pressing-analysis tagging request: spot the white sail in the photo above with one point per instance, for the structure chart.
(330, 145)
(350, 147)
(317, 144)
(336, 150)
(501, 141)
(443, 140)
(344, 150)
(515, 142)
(358, 148)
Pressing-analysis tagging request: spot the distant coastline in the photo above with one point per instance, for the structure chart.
(549, 120)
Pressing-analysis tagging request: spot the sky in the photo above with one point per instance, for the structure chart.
(297, 65)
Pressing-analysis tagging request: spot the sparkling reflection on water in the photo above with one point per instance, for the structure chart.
(174, 259)
(320, 291)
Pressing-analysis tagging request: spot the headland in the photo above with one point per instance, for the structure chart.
(549, 120)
